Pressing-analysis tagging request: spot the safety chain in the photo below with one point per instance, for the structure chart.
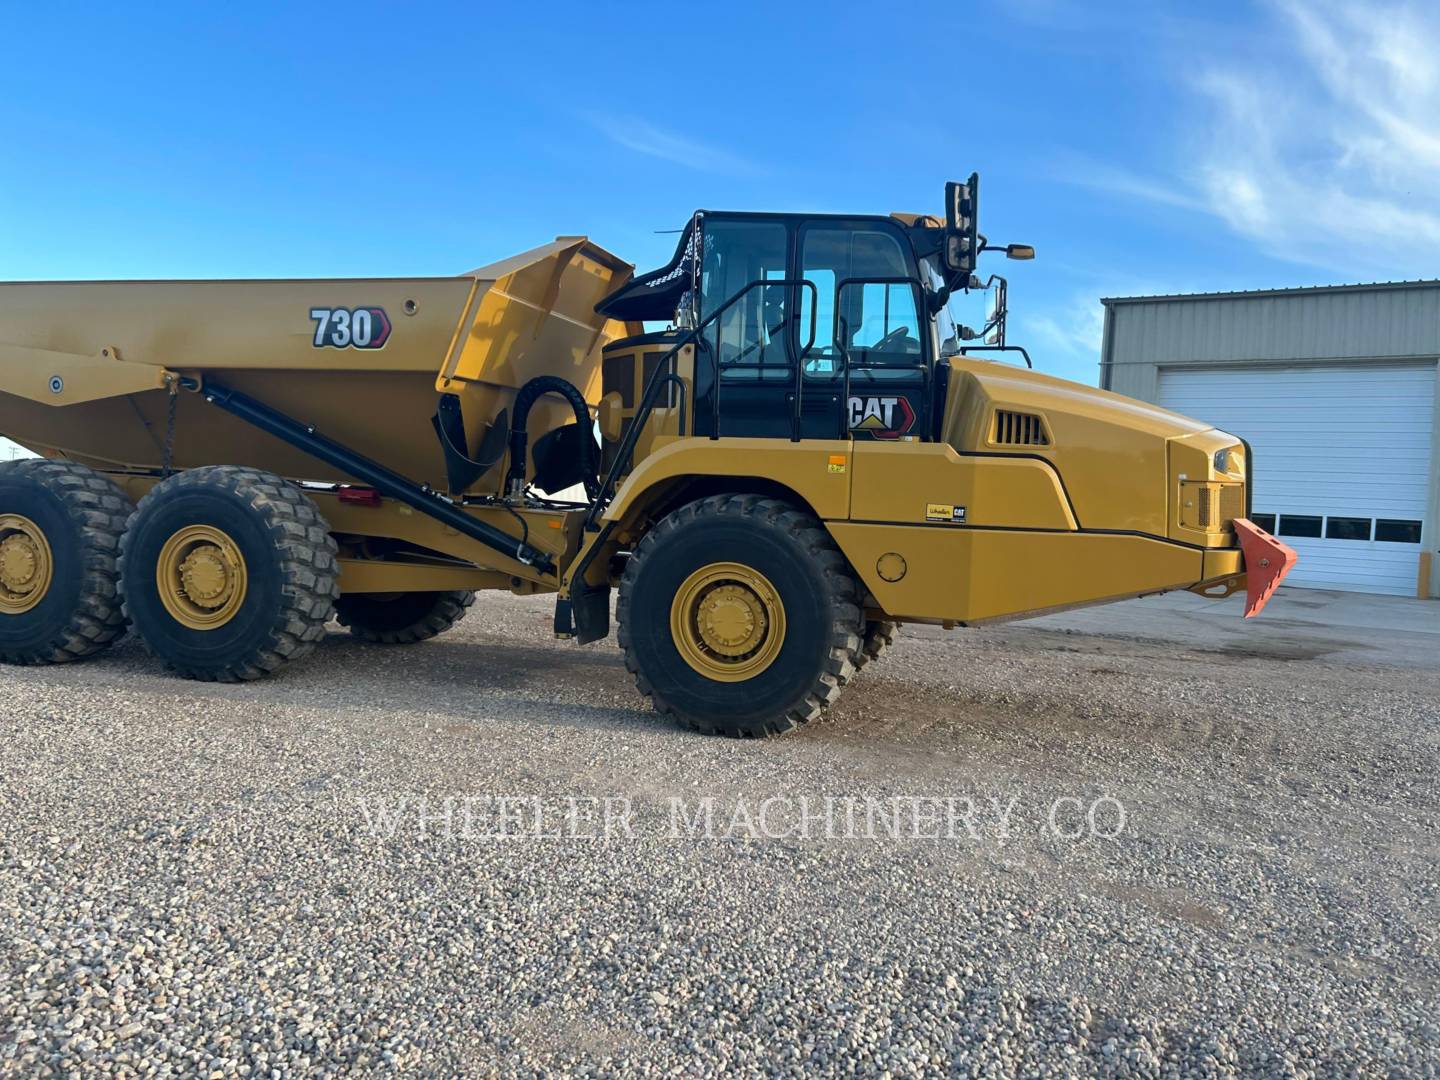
(168, 451)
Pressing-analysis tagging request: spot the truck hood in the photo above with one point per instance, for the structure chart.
(1112, 453)
(1021, 387)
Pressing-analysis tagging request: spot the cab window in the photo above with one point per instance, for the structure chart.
(750, 335)
(876, 323)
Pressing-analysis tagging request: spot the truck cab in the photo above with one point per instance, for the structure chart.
(819, 327)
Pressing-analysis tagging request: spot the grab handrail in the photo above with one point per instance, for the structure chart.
(662, 376)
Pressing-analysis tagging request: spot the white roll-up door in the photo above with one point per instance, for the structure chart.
(1342, 460)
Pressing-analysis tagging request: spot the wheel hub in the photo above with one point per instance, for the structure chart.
(205, 576)
(731, 619)
(17, 563)
(727, 622)
(201, 577)
(25, 564)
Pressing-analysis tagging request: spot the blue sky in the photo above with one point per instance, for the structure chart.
(1150, 147)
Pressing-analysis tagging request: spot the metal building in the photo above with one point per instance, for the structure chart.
(1335, 388)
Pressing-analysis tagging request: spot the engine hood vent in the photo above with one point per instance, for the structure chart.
(1019, 429)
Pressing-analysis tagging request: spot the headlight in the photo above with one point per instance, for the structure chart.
(1228, 461)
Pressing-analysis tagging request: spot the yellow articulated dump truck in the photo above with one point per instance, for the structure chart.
(813, 451)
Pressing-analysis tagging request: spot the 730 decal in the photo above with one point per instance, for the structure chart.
(350, 328)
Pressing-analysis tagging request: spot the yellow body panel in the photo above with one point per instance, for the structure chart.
(538, 318)
(903, 482)
(49, 377)
(969, 575)
(374, 576)
(628, 367)
(1220, 564)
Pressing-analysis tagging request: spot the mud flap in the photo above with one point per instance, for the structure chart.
(1267, 561)
(586, 615)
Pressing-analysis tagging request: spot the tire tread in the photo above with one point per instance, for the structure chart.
(808, 533)
(879, 636)
(100, 508)
(309, 567)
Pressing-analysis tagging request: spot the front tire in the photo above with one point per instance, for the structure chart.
(879, 636)
(60, 529)
(739, 616)
(228, 573)
(402, 618)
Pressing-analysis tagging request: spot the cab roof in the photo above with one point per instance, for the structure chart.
(653, 297)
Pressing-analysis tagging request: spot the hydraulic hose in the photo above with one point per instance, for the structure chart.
(525, 400)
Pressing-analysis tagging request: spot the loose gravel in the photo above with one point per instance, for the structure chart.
(223, 880)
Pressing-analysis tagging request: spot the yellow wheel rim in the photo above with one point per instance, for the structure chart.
(26, 565)
(201, 577)
(728, 622)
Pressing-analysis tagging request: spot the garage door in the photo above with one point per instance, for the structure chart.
(1342, 460)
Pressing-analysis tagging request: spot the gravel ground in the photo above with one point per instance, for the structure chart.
(225, 880)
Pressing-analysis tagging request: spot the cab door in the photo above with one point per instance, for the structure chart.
(868, 373)
(749, 346)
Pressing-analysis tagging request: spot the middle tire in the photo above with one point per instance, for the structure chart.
(739, 616)
(227, 572)
(402, 618)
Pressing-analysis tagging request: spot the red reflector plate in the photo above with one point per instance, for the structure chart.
(360, 496)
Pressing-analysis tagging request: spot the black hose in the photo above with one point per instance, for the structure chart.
(525, 400)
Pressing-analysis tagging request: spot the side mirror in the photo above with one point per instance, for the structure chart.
(1019, 251)
(962, 229)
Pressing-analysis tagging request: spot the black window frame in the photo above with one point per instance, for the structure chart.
(1287, 519)
(1344, 520)
(791, 337)
(1408, 524)
(903, 238)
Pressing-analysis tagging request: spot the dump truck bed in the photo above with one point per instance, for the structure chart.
(83, 365)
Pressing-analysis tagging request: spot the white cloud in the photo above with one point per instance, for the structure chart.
(1332, 157)
(1325, 149)
(1074, 329)
(1100, 176)
(645, 138)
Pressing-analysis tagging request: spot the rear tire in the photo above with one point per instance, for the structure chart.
(227, 573)
(402, 618)
(739, 616)
(60, 529)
